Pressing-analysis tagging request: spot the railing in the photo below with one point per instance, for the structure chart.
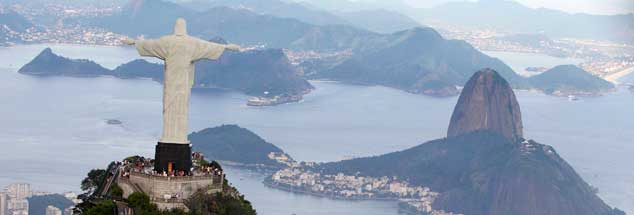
(177, 178)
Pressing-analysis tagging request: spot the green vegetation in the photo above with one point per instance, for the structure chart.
(92, 181)
(227, 202)
(233, 143)
(138, 202)
(263, 73)
(419, 60)
(471, 170)
(116, 191)
(219, 204)
(106, 207)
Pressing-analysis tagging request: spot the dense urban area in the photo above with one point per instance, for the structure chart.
(14, 199)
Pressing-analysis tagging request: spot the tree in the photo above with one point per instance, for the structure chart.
(116, 191)
(139, 201)
(93, 180)
(202, 203)
(106, 207)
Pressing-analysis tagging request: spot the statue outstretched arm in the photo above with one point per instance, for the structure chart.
(129, 42)
(211, 50)
(233, 47)
(148, 48)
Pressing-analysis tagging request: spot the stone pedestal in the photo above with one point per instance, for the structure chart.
(178, 155)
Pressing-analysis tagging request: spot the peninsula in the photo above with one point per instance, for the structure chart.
(484, 166)
(233, 145)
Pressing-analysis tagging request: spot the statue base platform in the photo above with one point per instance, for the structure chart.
(169, 192)
(174, 156)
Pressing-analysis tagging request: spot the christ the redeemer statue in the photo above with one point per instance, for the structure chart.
(179, 51)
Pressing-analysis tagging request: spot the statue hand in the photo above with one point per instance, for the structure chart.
(128, 42)
(233, 47)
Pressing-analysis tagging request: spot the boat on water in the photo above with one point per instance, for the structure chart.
(276, 100)
(113, 122)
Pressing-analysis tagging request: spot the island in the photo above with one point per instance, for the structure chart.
(237, 146)
(484, 166)
(48, 63)
(265, 74)
(570, 80)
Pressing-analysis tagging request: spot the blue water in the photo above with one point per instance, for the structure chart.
(53, 129)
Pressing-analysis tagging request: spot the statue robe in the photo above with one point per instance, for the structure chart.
(179, 53)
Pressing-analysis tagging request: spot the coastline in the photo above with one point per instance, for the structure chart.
(267, 182)
(616, 76)
(278, 100)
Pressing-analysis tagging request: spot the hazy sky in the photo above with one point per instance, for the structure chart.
(573, 6)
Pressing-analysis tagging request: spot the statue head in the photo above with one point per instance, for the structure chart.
(180, 28)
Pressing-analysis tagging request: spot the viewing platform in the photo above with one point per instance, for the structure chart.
(169, 191)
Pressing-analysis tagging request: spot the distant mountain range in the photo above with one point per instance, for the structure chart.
(380, 20)
(421, 61)
(263, 73)
(502, 15)
(239, 25)
(417, 60)
(377, 20)
(483, 169)
(278, 8)
(506, 15)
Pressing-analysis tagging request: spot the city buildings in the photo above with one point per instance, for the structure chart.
(52, 210)
(4, 203)
(18, 194)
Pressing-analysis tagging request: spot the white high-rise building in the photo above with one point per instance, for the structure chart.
(19, 191)
(18, 194)
(69, 210)
(4, 203)
(52, 210)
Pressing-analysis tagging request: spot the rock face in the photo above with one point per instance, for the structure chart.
(482, 168)
(487, 102)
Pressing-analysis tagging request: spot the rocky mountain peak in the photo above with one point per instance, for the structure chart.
(487, 102)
